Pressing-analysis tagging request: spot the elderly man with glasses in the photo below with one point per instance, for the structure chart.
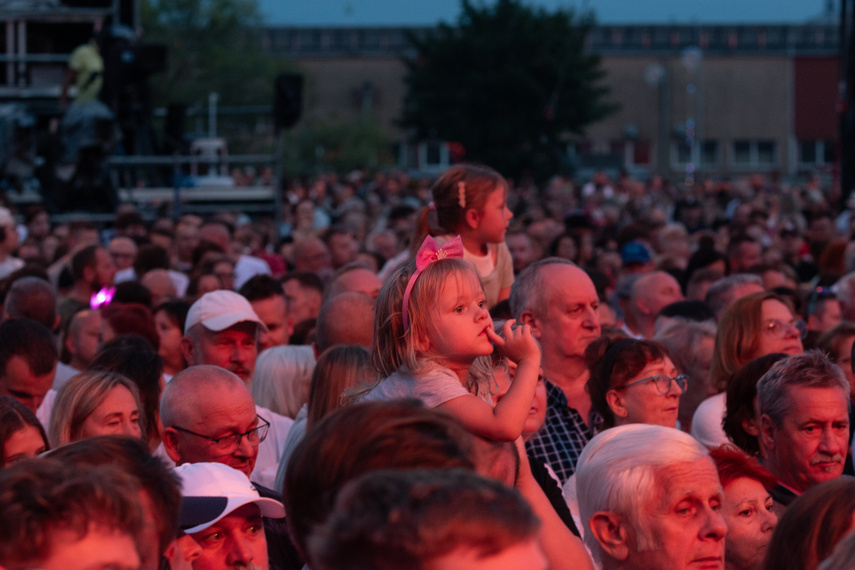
(209, 415)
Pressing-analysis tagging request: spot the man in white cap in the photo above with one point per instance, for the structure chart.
(8, 244)
(223, 513)
(222, 329)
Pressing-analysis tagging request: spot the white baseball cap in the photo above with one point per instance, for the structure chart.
(6, 218)
(210, 491)
(219, 310)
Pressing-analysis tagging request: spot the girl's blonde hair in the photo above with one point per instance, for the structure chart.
(460, 188)
(79, 397)
(397, 349)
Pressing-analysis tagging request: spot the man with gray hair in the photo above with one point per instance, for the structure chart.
(804, 423)
(560, 303)
(726, 290)
(649, 497)
(222, 330)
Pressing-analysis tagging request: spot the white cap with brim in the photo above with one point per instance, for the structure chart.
(210, 491)
(219, 310)
(6, 218)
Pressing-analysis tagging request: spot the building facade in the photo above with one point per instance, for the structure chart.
(718, 99)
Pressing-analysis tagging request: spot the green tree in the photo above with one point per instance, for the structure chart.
(509, 82)
(214, 46)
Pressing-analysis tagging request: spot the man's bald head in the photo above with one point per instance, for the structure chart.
(357, 328)
(160, 285)
(208, 415)
(355, 279)
(193, 390)
(123, 251)
(650, 294)
(216, 233)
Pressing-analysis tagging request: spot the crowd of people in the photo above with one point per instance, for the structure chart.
(451, 373)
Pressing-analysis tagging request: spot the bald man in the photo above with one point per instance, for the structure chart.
(356, 279)
(209, 416)
(650, 294)
(357, 328)
(209, 402)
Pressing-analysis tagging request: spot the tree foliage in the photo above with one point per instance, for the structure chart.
(509, 82)
(320, 146)
(214, 46)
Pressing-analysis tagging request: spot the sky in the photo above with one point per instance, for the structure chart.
(429, 12)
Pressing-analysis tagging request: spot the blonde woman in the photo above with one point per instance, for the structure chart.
(95, 403)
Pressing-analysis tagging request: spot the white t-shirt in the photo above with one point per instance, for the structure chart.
(433, 387)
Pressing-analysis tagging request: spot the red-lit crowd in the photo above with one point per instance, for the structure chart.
(446, 372)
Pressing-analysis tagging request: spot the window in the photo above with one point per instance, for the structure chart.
(755, 154)
(817, 153)
(709, 153)
(766, 152)
(704, 154)
(741, 152)
(682, 152)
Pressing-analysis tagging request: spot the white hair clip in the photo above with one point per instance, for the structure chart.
(461, 194)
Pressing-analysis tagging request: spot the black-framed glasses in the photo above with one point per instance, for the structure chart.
(662, 381)
(779, 329)
(229, 443)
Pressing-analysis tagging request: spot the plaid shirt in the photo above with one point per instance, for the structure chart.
(563, 436)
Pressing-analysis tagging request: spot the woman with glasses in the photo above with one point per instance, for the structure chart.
(633, 381)
(753, 326)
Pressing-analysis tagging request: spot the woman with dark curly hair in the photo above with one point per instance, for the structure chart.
(633, 381)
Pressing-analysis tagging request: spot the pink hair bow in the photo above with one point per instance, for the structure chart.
(429, 252)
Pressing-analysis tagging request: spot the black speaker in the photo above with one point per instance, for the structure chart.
(288, 100)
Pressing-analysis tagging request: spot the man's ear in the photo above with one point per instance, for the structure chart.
(610, 532)
(187, 351)
(527, 318)
(767, 432)
(66, 342)
(615, 400)
(473, 218)
(749, 426)
(642, 305)
(170, 444)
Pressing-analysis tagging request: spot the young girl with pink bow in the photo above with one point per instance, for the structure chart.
(431, 324)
